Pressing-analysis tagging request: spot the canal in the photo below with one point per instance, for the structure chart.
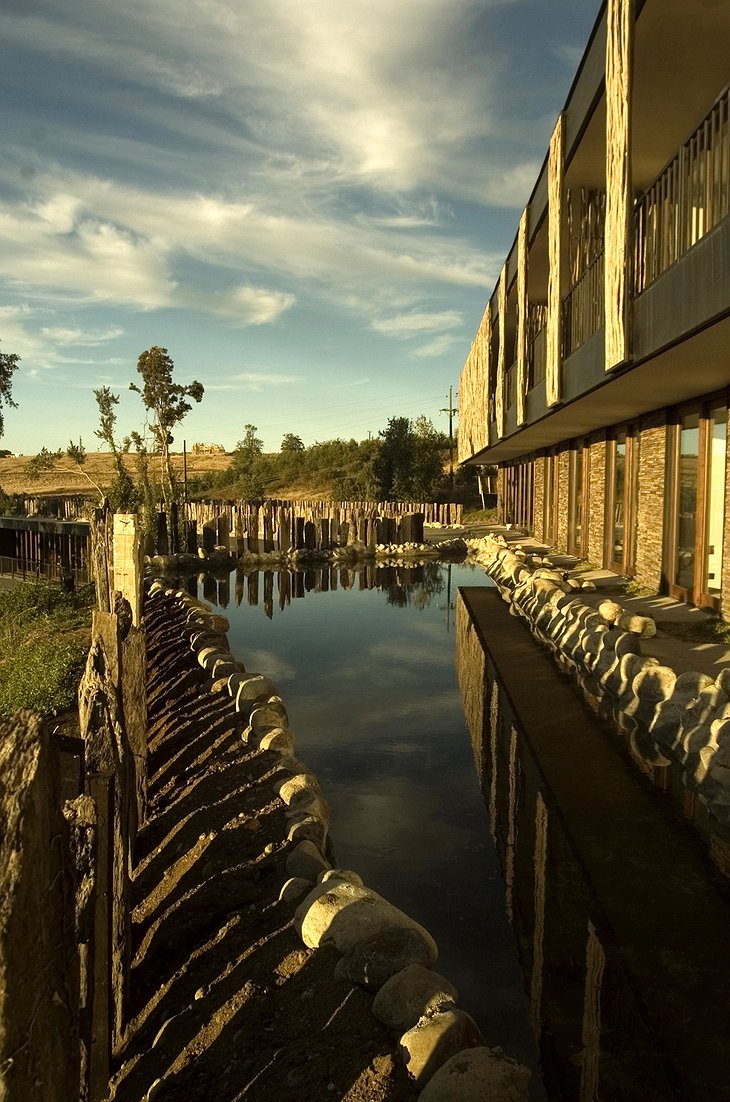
(578, 918)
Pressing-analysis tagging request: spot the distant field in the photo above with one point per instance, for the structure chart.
(99, 465)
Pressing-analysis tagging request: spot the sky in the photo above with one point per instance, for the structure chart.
(307, 202)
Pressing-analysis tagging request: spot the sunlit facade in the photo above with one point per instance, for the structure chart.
(598, 379)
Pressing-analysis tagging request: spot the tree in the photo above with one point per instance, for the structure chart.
(250, 469)
(55, 461)
(292, 444)
(123, 494)
(409, 465)
(166, 403)
(8, 366)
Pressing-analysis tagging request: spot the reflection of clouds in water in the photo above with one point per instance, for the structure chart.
(266, 662)
(400, 816)
(397, 651)
(394, 701)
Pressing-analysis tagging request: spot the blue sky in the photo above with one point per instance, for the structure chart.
(306, 201)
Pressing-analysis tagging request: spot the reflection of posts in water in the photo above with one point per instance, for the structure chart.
(298, 584)
(253, 588)
(284, 584)
(239, 588)
(210, 588)
(310, 580)
(345, 578)
(324, 579)
(224, 591)
(191, 585)
(269, 593)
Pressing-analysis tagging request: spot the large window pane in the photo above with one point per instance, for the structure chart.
(619, 485)
(689, 440)
(717, 446)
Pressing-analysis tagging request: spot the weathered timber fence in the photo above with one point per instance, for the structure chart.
(37, 546)
(278, 526)
(60, 506)
(71, 808)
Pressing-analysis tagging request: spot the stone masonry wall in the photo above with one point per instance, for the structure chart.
(725, 594)
(651, 481)
(539, 499)
(563, 506)
(596, 519)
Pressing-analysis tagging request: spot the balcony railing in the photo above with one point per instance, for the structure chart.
(688, 199)
(510, 386)
(536, 358)
(583, 308)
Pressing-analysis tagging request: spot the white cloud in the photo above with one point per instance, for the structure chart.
(406, 325)
(258, 305)
(255, 381)
(437, 347)
(76, 336)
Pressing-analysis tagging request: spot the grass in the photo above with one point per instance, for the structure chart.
(480, 516)
(44, 639)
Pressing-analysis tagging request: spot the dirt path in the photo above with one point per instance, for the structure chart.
(227, 1003)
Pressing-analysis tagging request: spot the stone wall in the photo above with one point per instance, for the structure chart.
(725, 596)
(681, 718)
(539, 499)
(563, 488)
(650, 499)
(596, 518)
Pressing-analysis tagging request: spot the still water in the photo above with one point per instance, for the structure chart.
(368, 676)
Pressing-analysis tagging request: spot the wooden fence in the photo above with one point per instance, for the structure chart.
(310, 525)
(70, 809)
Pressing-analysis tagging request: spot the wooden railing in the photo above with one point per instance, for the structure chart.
(510, 386)
(536, 358)
(688, 199)
(583, 308)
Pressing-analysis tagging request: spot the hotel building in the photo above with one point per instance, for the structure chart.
(598, 379)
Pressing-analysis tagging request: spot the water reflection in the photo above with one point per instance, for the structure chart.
(402, 585)
(365, 663)
(601, 1019)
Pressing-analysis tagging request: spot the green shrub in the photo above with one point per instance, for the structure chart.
(44, 639)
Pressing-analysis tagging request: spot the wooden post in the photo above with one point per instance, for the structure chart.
(128, 565)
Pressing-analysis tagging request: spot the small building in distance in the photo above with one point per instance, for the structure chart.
(207, 449)
(598, 379)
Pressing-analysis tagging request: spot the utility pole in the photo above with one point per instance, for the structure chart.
(451, 411)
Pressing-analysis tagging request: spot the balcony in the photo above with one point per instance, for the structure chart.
(536, 358)
(583, 308)
(510, 386)
(687, 200)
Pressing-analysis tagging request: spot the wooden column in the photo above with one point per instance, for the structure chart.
(617, 254)
(128, 565)
(521, 343)
(502, 323)
(553, 334)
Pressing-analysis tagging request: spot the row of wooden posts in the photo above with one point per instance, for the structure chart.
(278, 526)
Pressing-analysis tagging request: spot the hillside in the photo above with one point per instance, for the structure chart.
(98, 465)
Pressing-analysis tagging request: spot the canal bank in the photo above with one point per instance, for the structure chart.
(622, 920)
(247, 979)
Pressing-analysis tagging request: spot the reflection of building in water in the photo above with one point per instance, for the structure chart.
(598, 378)
(622, 932)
